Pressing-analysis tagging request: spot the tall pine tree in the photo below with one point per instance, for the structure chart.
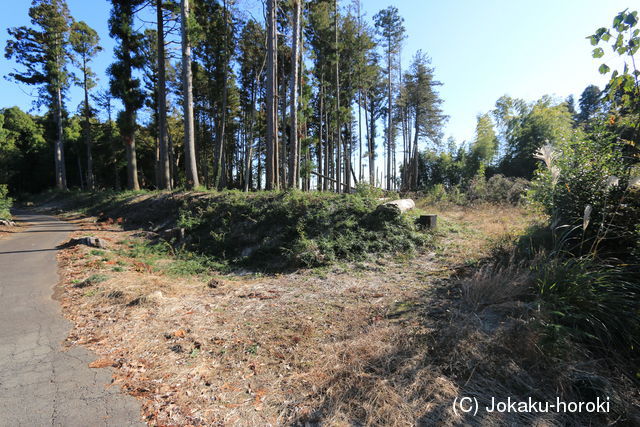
(43, 51)
(123, 84)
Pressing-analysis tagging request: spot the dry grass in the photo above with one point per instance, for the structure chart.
(391, 342)
(470, 231)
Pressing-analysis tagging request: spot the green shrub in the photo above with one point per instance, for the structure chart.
(593, 302)
(272, 231)
(5, 202)
(587, 186)
(498, 189)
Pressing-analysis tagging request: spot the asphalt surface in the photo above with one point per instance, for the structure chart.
(40, 384)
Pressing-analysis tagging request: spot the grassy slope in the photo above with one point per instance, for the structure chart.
(260, 231)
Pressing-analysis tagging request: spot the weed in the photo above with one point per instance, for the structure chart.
(252, 349)
(91, 280)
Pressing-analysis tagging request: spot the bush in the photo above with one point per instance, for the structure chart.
(593, 302)
(584, 299)
(588, 187)
(273, 231)
(498, 189)
(5, 202)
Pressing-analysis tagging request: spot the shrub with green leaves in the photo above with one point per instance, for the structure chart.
(272, 231)
(498, 189)
(593, 302)
(590, 187)
(5, 202)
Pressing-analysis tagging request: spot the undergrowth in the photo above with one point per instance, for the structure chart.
(586, 299)
(271, 231)
(267, 231)
(5, 203)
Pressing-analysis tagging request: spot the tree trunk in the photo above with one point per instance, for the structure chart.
(165, 164)
(389, 116)
(80, 173)
(272, 93)
(219, 178)
(414, 177)
(338, 131)
(320, 137)
(347, 155)
(295, 62)
(187, 80)
(249, 141)
(328, 153)
(370, 145)
(87, 129)
(129, 137)
(61, 173)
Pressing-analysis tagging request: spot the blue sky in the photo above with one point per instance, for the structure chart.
(481, 50)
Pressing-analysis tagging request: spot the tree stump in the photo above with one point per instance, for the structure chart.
(427, 221)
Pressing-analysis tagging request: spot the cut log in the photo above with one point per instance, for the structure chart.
(402, 205)
(395, 208)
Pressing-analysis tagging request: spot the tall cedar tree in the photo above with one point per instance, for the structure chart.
(163, 140)
(424, 104)
(123, 85)
(187, 81)
(85, 43)
(272, 94)
(43, 52)
(294, 161)
(391, 30)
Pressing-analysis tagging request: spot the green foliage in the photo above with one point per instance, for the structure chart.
(484, 146)
(624, 41)
(422, 98)
(5, 202)
(498, 189)
(43, 50)
(94, 279)
(593, 302)
(128, 56)
(368, 191)
(85, 41)
(594, 176)
(272, 231)
(526, 128)
(590, 104)
(22, 150)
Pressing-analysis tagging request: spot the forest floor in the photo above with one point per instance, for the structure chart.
(319, 345)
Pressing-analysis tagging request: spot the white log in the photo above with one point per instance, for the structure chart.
(403, 205)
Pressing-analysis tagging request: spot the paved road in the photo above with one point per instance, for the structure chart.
(41, 385)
